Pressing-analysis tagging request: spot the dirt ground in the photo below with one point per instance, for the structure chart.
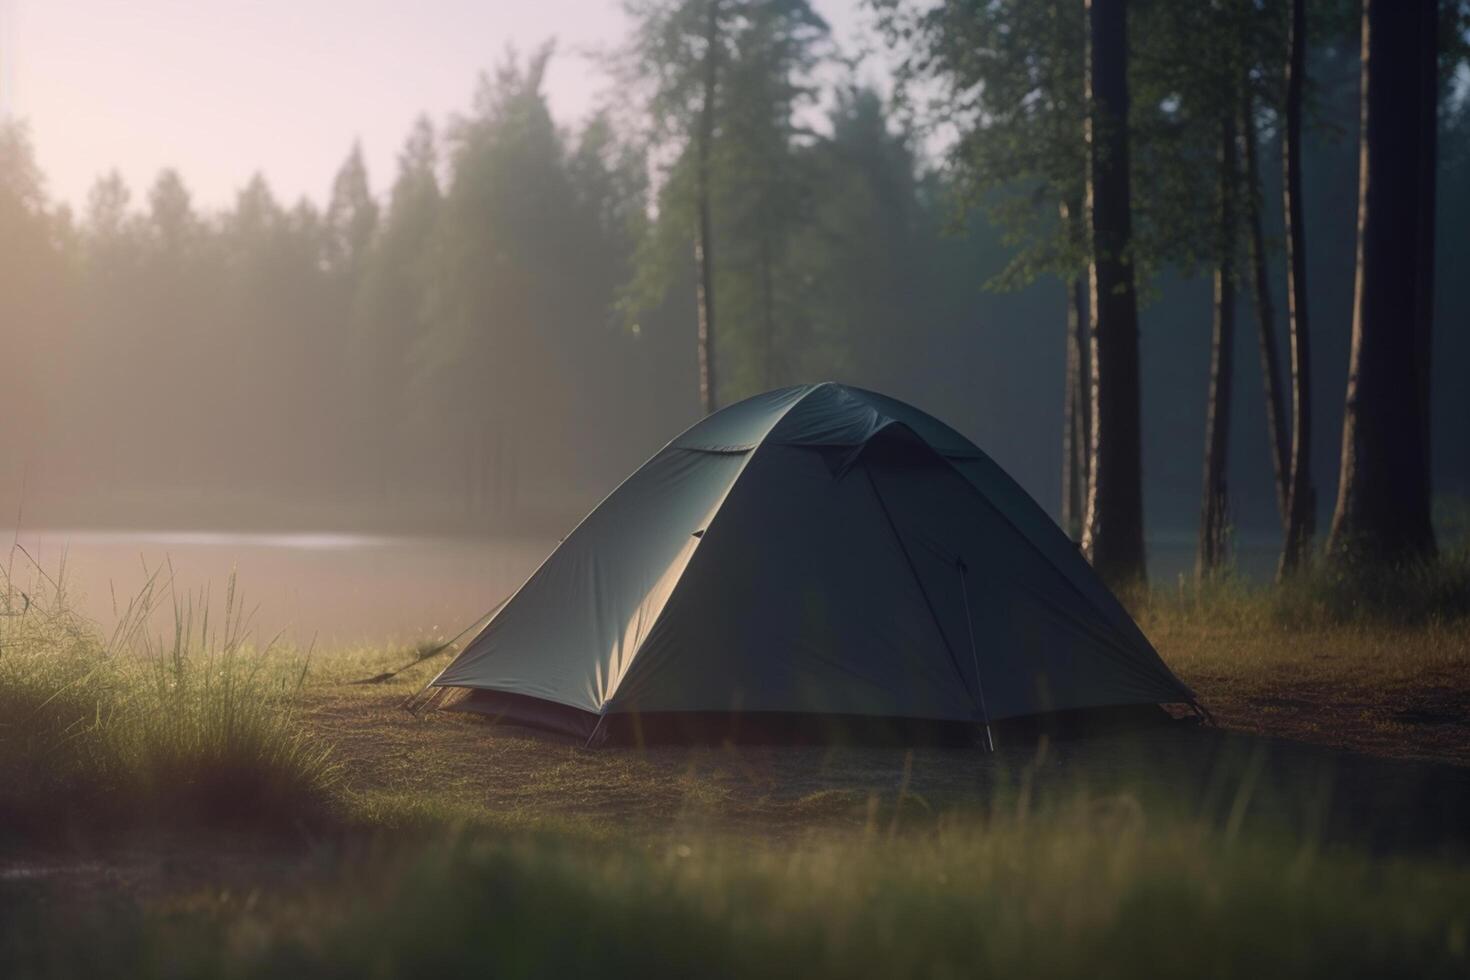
(470, 765)
(443, 767)
(1394, 692)
(1305, 746)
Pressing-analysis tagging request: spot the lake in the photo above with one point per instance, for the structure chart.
(346, 589)
(340, 589)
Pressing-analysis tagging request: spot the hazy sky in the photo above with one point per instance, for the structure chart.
(222, 88)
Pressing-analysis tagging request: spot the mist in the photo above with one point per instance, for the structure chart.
(489, 337)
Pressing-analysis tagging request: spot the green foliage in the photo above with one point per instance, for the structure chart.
(101, 735)
(1183, 92)
(351, 218)
(1097, 887)
(34, 280)
(859, 259)
(506, 204)
(1065, 864)
(763, 193)
(1007, 77)
(760, 175)
(455, 346)
(383, 351)
(528, 250)
(1332, 593)
(388, 311)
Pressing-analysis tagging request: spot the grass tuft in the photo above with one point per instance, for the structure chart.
(1323, 595)
(106, 733)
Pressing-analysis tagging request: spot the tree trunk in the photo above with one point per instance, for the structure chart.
(1076, 420)
(1428, 145)
(1082, 453)
(1113, 534)
(1265, 309)
(703, 252)
(1382, 512)
(1214, 512)
(1301, 494)
(1074, 429)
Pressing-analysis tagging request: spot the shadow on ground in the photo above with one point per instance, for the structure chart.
(1214, 775)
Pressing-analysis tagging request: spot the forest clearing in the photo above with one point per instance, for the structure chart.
(735, 488)
(283, 816)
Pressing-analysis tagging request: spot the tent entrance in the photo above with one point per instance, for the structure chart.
(906, 457)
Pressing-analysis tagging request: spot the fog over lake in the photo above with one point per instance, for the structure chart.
(339, 589)
(342, 589)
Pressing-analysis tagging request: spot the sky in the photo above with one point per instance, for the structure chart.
(221, 89)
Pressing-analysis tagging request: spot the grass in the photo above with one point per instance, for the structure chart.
(1097, 886)
(1375, 661)
(1328, 594)
(443, 844)
(106, 733)
(1053, 898)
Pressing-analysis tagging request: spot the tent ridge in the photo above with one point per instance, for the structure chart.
(714, 450)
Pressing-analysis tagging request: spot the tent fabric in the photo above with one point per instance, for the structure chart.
(821, 550)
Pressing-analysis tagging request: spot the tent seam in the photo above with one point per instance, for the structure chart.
(913, 571)
(750, 455)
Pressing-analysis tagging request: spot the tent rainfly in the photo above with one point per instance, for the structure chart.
(820, 552)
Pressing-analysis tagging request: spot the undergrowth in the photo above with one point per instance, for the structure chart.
(1099, 888)
(194, 726)
(187, 725)
(1323, 594)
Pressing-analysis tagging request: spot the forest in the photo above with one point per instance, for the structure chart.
(489, 338)
(308, 668)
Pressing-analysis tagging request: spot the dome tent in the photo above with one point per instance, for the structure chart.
(818, 551)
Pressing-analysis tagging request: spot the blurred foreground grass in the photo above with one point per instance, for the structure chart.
(1098, 888)
(294, 824)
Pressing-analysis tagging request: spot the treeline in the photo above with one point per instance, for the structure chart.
(490, 343)
(526, 310)
(1124, 136)
(444, 343)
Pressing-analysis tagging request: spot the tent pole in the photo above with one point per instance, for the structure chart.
(974, 655)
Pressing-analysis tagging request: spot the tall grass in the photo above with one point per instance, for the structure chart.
(1100, 887)
(187, 726)
(1324, 594)
(1329, 593)
(1091, 892)
(194, 726)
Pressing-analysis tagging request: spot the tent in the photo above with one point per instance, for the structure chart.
(816, 552)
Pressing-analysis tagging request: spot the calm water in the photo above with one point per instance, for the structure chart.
(343, 589)
(337, 588)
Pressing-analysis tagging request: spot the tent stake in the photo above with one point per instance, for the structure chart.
(595, 730)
